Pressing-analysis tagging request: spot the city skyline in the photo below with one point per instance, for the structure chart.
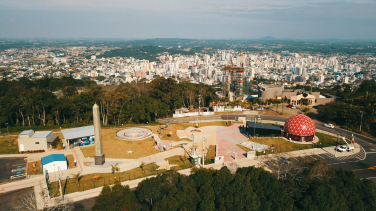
(346, 20)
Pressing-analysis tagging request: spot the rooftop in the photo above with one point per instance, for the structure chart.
(78, 132)
(51, 158)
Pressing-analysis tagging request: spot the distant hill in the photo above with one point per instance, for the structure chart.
(268, 38)
(148, 52)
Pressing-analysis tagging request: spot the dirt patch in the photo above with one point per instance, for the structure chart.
(70, 160)
(246, 149)
(34, 168)
(11, 200)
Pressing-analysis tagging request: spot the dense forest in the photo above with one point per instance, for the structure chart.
(354, 109)
(33, 103)
(317, 188)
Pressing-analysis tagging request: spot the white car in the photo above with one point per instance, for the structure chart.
(329, 125)
(260, 109)
(342, 148)
(293, 107)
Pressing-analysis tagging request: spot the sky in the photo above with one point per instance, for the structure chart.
(196, 19)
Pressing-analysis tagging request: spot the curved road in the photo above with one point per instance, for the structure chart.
(364, 168)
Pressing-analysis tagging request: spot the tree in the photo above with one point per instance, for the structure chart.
(113, 167)
(118, 197)
(29, 202)
(78, 178)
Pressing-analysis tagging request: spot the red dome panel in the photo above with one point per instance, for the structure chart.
(300, 125)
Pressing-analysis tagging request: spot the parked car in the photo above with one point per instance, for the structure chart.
(289, 106)
(342, 148)
(260, 109)
(329, 125)
(286, 160)
(293, 107)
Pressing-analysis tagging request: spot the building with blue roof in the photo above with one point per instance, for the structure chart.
(54, 162)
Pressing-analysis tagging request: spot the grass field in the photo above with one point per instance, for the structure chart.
(114, 147)
(281, 145)
(88, 182)
(210, 155)
(4, 145)
(179, 161)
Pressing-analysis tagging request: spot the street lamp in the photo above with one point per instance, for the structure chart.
(193, 148)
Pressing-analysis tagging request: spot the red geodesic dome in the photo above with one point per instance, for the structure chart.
(300, 125)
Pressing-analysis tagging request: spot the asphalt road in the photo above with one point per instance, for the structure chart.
(363, 164)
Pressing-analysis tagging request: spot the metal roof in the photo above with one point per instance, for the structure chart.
(41, 134)
(262, 126)
(78, 132)
(26, 132)
(51, 158)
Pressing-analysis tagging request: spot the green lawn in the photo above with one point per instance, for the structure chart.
(181, 162)
(281, 145)
(5, 148)
(88, 182)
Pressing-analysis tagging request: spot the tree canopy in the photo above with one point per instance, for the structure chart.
(248, 189)
(50, 101)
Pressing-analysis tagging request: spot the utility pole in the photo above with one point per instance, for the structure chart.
(361, 117)
(61, 192)
(283, 107)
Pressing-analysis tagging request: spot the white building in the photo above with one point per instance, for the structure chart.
(53, 163)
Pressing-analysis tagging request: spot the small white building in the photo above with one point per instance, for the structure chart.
(54, 162)
(28, 140)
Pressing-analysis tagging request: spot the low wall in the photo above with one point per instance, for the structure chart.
(193, 114)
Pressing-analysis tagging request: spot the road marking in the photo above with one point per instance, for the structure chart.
(351, 161)
(370, 152)
(343, 162)
(335, 163)
(312, 157)
(321, 157)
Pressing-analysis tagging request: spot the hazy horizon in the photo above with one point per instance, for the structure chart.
(148, 19)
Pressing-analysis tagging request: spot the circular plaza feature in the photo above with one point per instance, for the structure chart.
(134, 134)
(300, 128)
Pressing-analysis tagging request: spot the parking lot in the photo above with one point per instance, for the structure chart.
(351, 162)
(12, 169)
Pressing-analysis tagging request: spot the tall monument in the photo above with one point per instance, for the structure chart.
(99, 155)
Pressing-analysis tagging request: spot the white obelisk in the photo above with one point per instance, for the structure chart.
(99, 155)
